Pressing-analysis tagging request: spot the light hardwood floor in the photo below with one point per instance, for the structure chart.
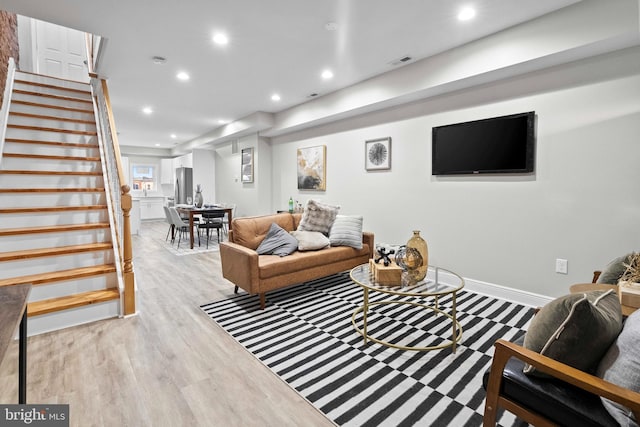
(168, 366)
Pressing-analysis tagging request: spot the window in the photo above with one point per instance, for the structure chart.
(144, 177)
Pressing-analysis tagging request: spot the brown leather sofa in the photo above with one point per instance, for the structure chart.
(258, 274)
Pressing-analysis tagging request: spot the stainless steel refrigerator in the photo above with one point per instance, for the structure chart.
(183, 186)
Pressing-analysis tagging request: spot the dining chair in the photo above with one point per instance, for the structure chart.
(225, 220)
(211, 220)
(180, 226)
(167, 215)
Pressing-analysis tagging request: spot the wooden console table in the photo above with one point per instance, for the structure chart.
(13, 300)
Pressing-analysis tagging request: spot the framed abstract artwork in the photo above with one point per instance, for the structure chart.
(247, 165)
(377, 154)
(312, 168)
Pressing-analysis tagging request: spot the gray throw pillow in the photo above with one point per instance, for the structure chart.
(576, 329)
(613, 271)
(621, 366)
(277, 242)
(346, 231)
(310, 240)
(318, 216)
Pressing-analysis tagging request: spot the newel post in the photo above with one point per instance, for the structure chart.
(127, 253)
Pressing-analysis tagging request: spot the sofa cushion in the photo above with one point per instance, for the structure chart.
(277, 242)
(621, 366)
(271, 266)
(251, 231)
(612, 272)
(575, 329)
(346, 231)
(318, 216)
(310, 240)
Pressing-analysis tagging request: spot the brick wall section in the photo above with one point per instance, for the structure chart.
(8, 45)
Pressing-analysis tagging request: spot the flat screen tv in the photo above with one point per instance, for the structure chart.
(497, 145)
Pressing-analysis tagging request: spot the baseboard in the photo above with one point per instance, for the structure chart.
(493, 290)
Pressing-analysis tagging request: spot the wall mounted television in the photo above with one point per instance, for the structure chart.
(503, 144)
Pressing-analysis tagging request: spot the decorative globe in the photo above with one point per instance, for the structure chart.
(409, 259)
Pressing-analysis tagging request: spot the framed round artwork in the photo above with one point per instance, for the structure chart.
(377, 154)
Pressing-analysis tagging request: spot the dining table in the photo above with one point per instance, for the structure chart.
(192, 211)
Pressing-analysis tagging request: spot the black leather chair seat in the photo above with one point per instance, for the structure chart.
(560, 402)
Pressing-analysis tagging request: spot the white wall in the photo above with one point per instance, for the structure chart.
(251, 198)
(204, 174)
(582, 204)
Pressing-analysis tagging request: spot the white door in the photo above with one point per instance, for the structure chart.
(60, 52)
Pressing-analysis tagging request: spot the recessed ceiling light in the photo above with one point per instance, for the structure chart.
(173, 136)
(220, 39)
(327, 74)
(157, 145)
(275, 97)
(147, 110)
(223, 121)
(466, 13)
(182, 76)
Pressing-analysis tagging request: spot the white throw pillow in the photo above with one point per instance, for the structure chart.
(346, 231)
(310, 240)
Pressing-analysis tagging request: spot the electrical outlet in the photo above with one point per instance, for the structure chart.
(561, 266)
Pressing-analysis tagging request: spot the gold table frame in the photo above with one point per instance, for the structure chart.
(362, 276)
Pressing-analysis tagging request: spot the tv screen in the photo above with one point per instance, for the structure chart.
(496, 145)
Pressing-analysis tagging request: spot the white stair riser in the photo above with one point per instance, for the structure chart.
(51, 81)
(54, 112)
(85, 284)
(51, 123)
(49, 181)
(52, 91)
(54, 218)
(38, 135)
(51, 101)
(50, 150)
(77, 316)
(52, 240)
(50, 264)
(27, 200)
(31, 164)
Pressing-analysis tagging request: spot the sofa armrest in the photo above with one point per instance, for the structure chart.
(504, 350)
(367, 238)
(239, 265)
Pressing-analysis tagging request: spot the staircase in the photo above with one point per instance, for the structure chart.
(54, 222)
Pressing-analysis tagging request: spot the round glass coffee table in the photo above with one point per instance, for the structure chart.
(429, 288)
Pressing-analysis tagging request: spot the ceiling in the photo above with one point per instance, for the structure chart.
(276, 46)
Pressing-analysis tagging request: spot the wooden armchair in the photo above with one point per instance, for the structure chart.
(549, 402)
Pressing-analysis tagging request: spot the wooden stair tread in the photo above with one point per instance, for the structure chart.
(44, 209)
(58, 276)
(56, 251)
(52, 190)
(52, 228)
(53, 107)
(46, 117)
(48, 95)
(52, 86)
(51, 157)
(48, 129)
(36, 172)
(62, 144)
(71, 301)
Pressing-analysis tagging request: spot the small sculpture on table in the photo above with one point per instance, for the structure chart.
(384, 255)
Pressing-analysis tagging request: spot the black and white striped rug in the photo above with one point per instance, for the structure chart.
(305, 336)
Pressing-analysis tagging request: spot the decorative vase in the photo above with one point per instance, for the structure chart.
(418, 243)
(198, 200)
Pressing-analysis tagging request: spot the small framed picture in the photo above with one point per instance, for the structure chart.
(247, 165)
(377, 154)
